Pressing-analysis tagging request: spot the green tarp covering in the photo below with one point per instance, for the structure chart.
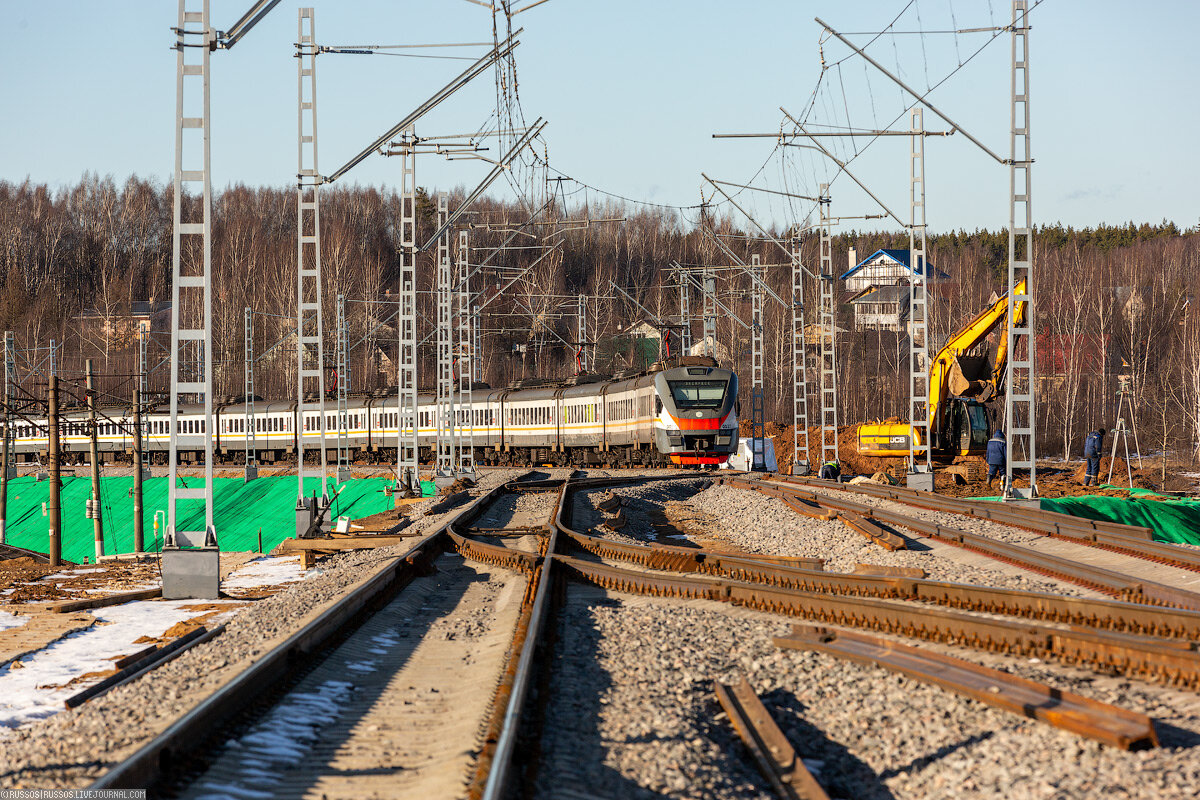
(1171, 520)
(239, 510)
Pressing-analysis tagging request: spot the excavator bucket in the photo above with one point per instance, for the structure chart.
(968, 377)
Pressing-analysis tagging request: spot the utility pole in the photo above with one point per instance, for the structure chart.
(920, 475)
(1019, 400)
(828, 318)
(251, 453)
(343, 387)
(710, 313)
(52, 504)
(6, 446)
(93, 510)
(408, 478)
(758, 455)
(310, 347)
(444, 404)
(138, 531)
(466, 359)
(800, 464)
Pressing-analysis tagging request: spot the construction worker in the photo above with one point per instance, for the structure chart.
(831, 470)
(1093, 446)
(997, 455)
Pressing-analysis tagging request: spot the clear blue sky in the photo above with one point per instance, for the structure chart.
(633, 92)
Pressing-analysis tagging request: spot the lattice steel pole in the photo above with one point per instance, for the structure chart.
(581, 331)
(310, 333)
(6, 471)
(685, 313)
(1019, 399)
(189, 558)
(466, 359)
(343, 386)
(407, 476)
(251, 471)
(710, 313)
(476, 345)
(800, 463)
(920, 474)
(444, 407)
(757, 410)
(828, 322)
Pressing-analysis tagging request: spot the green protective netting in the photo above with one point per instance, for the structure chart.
(1171, 520)
(240, 509)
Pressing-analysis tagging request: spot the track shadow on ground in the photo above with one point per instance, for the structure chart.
(406, 620)
(842, 774)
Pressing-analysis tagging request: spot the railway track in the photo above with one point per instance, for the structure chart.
(485, 584)
(421, 646)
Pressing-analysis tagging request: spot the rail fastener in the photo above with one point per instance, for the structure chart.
(1112, 725)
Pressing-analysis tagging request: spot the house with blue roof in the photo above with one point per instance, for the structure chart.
(878, 288)
(885, 268)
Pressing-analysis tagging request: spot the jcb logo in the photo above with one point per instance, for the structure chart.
(899, 440)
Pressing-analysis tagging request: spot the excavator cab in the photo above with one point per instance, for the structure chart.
(966, 428)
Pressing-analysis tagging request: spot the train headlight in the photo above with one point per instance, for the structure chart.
(675, 438)
(723, 440)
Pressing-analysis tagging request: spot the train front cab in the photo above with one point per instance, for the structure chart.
(697, 424)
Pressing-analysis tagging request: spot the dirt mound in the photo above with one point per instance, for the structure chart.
(1120, 473)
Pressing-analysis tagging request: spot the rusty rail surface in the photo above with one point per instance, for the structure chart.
(1101, 580)
(1131, 540)
(1171, 661)
(772, 752)
(1110, 724)
(1114, 615)
(885, 539)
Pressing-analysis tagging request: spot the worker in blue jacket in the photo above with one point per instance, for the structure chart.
(997, 455)
(1093, 446)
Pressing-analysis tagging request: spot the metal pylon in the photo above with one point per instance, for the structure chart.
(581, 331)
(801, 453)
(918, 307)
(685, 314)
(466, 360)
(476, 346)
(1019, 407)
(407, 476)
(191, 285)
(310, 350)
(757, 411)
(710, 313)
(251, 440)
(343, 387)
(828, 325)
(444, 408)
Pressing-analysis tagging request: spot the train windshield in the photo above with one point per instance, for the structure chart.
(697, 394)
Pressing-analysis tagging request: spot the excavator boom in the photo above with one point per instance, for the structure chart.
(955, 379)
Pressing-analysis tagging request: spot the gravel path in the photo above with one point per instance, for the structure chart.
(70, 748)
(632, 715)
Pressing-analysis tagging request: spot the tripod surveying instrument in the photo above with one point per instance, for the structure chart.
(1121, 432)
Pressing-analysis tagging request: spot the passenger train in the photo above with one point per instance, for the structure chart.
(681, 412)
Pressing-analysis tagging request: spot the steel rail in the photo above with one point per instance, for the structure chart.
(1112, 615)
(1102, 580)
(773, 753)
(1172, 662)
(1133, 540)
(1106, 723)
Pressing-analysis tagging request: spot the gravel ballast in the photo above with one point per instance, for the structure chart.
(632, 714)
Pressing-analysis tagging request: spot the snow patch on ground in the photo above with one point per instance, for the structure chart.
(11, 620)
(265, 571)
(280, 741)
(37, 688)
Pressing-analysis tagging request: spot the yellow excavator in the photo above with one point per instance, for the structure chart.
(959, 385)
